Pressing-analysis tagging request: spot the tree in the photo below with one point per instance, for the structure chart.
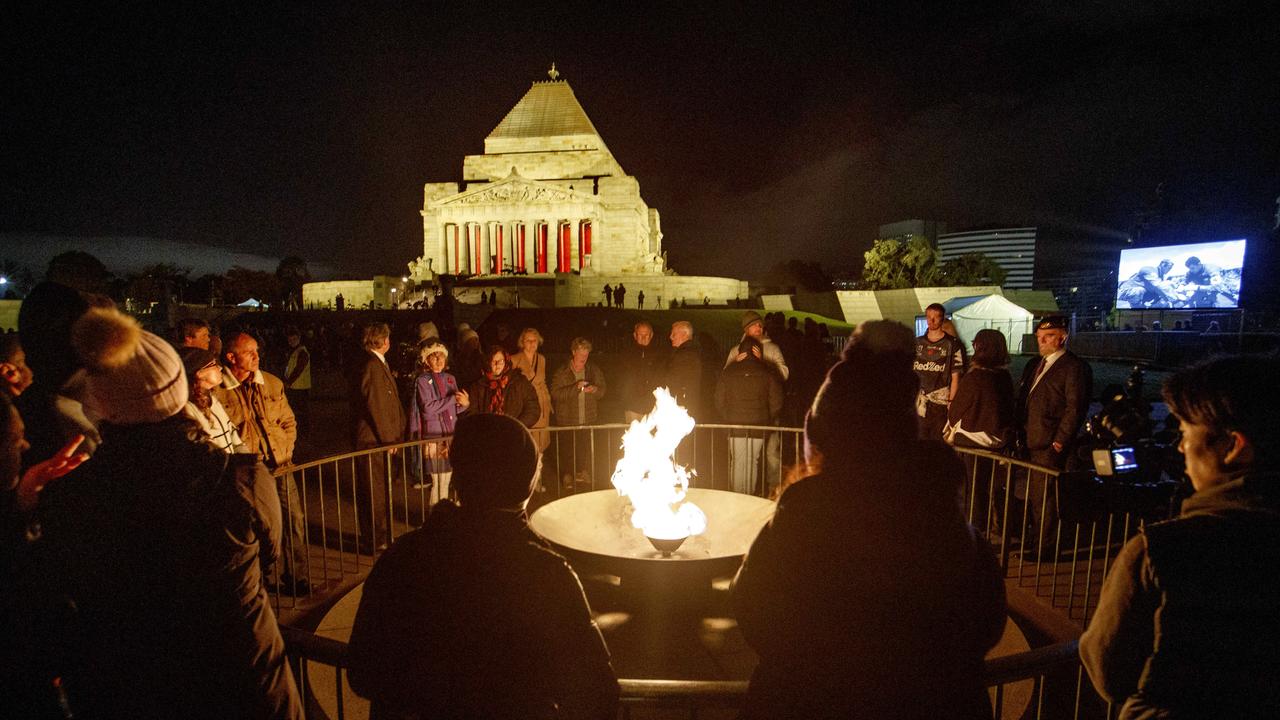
(293, 274)
(157, 283)
(242, 283)
(893, 264)
(973, 268)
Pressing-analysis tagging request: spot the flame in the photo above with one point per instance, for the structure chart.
(649, 475)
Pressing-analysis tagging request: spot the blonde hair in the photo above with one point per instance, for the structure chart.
(530, 331)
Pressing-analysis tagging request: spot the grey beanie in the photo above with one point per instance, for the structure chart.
(132, 376)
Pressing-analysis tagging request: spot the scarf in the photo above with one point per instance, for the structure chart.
(497, 390)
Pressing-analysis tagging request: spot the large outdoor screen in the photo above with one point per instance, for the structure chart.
(1200, 275)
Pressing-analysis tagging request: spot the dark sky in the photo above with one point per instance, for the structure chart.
(781, 133)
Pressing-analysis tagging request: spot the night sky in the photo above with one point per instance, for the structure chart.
(791, 133)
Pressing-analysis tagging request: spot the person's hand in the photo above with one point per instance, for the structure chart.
(582, 385)
(40, 474)
(393, 451)
(740, 357)
(589, 388)
(463, 399)
(1057, 447)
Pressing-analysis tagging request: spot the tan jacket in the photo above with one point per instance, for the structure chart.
(261, 414)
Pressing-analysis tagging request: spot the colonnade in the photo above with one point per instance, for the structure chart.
(520, 246)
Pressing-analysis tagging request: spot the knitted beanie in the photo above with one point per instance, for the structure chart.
(868, 398)
(132, 376)
(750, 318)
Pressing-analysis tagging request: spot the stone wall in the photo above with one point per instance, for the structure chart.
(355, 293)
(9, 314)
(582, 290)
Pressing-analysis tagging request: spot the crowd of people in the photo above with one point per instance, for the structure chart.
(142, 522)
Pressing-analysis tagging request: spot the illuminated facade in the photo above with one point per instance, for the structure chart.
(546, 197)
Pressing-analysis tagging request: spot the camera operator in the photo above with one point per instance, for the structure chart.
(1202, 588)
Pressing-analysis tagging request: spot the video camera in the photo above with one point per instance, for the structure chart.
(1126, 445)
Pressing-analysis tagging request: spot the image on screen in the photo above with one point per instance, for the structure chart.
(1199, 275)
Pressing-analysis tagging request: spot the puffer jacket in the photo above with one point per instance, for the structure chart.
(749, 393)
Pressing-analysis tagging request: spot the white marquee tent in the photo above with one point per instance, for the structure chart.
(977, 312)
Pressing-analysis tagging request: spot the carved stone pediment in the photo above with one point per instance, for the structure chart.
(513, 190)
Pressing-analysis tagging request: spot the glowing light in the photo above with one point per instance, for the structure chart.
(650, 477)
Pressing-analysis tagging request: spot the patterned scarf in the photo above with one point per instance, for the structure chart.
(497, 389)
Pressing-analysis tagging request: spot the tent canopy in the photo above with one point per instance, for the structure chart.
(972, 313)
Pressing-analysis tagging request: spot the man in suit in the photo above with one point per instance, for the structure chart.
(377, 420)
(1053, 398)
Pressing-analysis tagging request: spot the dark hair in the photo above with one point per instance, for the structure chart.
(496, 349)
(187, 327)
(1225, 395)
(990, 349)
(10, 344)
(1193, 260)
(494, 460)
(375, 333)
(936, 306)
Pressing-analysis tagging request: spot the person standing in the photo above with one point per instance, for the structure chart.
(1053, 398)
(256, 404)
(620, 295)
(640, 300)
(437, 403)
(297, 378)
(939, 364)
(1188, 622)
(161, 540)
(771, 354)
(608, 295)
(748, 393)
(644, 369)
(982, 413)
(204, 375)
(576, 390)
(377, 420)
(684, 368)
(504, 390)
(533, 364)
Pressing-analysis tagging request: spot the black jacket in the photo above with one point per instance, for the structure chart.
(867, 594)
(375, 404)
(1056, 409)
(160, 540)
(473, 615)
(519, 402)
(749, 393)
(684, 377)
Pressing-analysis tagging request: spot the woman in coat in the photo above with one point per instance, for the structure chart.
(534, 366)
(503, 390)
(981, 415)
(437, 402)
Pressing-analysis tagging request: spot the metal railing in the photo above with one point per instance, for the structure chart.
(340, 511)
(1035, 671)
(1055, 533)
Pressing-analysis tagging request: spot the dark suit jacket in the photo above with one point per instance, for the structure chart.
(1054, 411)
(375, 404)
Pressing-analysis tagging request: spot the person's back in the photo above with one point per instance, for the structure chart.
(472, 615)
(867, 596)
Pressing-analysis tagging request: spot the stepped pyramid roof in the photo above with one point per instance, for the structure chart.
(549, 109)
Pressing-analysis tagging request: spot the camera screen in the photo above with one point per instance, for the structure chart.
(1124, 458)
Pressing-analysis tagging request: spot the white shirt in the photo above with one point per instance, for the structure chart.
(1044, 367)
